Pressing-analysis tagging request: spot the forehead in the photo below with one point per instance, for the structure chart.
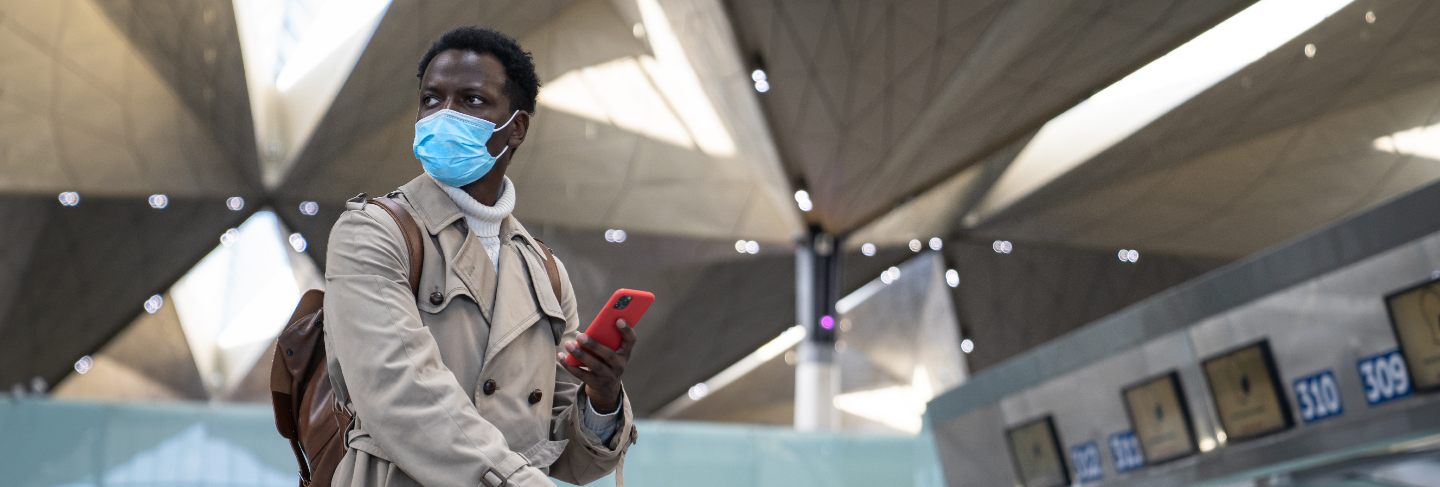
(464, 67)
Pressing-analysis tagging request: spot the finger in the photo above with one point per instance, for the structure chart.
(579, 373)
(596, 365)
(627, 338)
(598, 349)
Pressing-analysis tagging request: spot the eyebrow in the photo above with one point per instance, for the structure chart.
(481, 86)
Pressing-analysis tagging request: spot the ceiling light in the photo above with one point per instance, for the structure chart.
(952, 278)
(936, 244)
(1369, 16)
(638, 30)
(615, 235)
(1002, 246)
(1128, 255)
(84, 365)
(752, 247)
(740, 246)
(802, 199)
(235, 203)
(69, 198)
(762, 81)
(868, 249)
(1418, 141)
(154, 303)
(915, 245)
(1137, 100)
(297, 242)
(698, 391)
(229, 236)
(890, 275)
(159, 201)
(309, 208)
(1310, 51)
(967, 345)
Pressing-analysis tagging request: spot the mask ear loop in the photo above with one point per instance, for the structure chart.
(506, 124)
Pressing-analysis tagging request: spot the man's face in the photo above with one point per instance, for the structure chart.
(473, 84)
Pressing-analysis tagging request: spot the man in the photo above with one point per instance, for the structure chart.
(467, 384)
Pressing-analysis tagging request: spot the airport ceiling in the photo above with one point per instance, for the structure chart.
(897, 117)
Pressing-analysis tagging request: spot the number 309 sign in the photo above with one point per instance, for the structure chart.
(1385, 377)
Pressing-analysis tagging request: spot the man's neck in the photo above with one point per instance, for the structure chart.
(487, 189)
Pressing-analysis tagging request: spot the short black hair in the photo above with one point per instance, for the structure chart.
(522, 86)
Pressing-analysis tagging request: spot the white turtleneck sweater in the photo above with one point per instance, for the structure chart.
(484, 223)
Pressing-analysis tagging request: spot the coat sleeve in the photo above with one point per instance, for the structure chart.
(404, 397)
(585, 458)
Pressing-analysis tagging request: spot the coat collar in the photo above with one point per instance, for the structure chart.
(437, 210)
(433, 208)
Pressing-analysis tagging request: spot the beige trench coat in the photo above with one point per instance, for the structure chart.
(415, 371)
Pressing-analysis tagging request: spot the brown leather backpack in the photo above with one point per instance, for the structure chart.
(306, 412)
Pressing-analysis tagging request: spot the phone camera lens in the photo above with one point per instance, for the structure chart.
(622, 302)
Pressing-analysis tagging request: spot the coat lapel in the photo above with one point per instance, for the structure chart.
(467, 261)
(473, 267)
(523, 296)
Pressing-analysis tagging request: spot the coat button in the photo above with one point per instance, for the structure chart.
(535, 396)
(436, 298)
(489, 387)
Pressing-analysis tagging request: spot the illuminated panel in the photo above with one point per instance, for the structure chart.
(1036, 451)
(1415, 314)
(1247, 394)
(1161, 419)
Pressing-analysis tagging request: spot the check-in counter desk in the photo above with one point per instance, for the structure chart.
(1319, 351)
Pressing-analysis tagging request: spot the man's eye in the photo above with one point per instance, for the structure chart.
(473, 100)
(428, 100)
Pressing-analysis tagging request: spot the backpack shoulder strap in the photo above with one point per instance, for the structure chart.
(414, 242)
(552, 270)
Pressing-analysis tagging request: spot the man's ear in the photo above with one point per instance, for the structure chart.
(522, 127)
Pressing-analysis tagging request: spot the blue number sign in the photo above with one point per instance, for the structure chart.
(1318, 397)
(1385, 377)
(1125, 450)
(1086, 459)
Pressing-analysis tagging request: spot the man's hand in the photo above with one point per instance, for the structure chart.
(602, 366)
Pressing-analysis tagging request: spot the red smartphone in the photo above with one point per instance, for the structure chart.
(627, 304)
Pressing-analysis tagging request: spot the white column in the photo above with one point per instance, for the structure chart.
(817, 379)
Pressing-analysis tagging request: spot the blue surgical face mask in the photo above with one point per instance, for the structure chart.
(451, 146)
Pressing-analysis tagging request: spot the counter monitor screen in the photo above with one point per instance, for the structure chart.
(1247, 395)
(1161, 418)
(1035, 448)
(1415, 314)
